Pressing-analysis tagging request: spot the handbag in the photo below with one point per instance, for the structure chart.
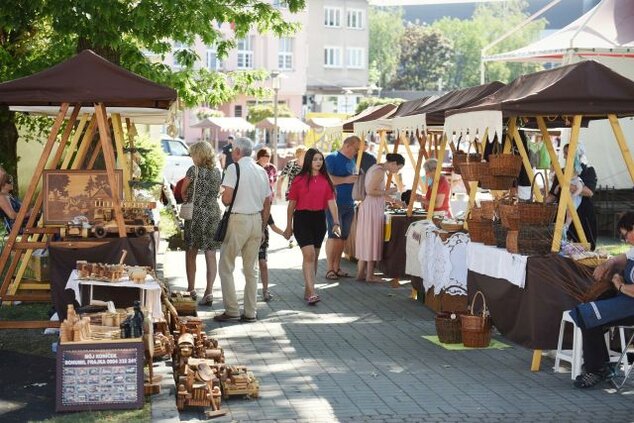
(358, 188)
(187, 209)
(221, 231)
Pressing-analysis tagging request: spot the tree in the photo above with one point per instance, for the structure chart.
(489, 22)
(425, 58)
(36, 34)
(386, 29)
(262, 111)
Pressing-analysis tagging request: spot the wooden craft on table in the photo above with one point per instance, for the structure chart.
(184, 304)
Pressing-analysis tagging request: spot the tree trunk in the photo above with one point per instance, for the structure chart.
(9, 143)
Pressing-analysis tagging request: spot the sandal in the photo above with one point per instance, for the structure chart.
(266, 296)
(332, 275)
(193, 294)
(588, 380)
(313, 299)
(342, 274)
(207, 300)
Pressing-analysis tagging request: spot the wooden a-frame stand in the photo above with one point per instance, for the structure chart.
(19, 246)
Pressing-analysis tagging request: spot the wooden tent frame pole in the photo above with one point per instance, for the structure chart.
(405, 142)
(434, 188)
(388, 180)
(108, 154)
(564, 197)
(422, 139)
(541, 123)
(84, 144)
(620, 139)
(117, 129)
(28, 197)
(520, 147)
(25, 255)
(360, 152)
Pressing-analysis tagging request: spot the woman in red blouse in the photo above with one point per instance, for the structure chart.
(311, 193)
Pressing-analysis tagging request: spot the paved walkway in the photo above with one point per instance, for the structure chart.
(359, 356)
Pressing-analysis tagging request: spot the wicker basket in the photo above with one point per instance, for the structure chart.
(509, 215)
(451, 227)
(489, 209)
(505, 164)
(497, 183)
(460, 157)
(481, 231)
(476, 329)
(449, 327)
(535, 240)
(534, 213)
(593, 261)
(473, 171)
(475, 213)
(500, 234)
(511, 242)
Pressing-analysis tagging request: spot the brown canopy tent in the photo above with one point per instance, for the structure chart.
(581, 91)
(371, 113)
(83, 80)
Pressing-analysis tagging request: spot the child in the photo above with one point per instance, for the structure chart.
(264, 268)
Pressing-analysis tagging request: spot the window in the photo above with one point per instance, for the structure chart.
(355, 59)
(237, 110)
(245, 53)
(332, 17)
(355, 19)
(285, 54)
(332, 57)
(213, 63)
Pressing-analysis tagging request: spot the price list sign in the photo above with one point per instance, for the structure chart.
(102, 376)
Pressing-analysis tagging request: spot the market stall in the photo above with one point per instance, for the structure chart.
(569, 95)
(77, 201)
(216, 125)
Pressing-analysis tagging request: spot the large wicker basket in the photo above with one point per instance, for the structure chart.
(460, 157)
(476, 329)
(509, 215)
(473, 171)
(535, 240)
(534, 213)
(511, 242)
(449, 327)
(489, 209)
(500, 234)
(505, 165)
(499, 183)
(481, 231)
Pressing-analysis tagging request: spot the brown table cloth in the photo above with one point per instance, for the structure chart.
(141, 251)
(393, 263)
(530, 316)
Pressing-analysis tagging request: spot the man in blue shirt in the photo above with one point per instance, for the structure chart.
(341, 167)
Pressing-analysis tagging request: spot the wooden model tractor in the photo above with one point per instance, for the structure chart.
(135, 216)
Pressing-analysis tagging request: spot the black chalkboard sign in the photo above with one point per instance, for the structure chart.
(99, 376)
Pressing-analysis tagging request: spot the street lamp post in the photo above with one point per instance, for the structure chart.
(276, 89)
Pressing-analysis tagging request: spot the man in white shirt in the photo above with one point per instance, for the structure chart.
(249, 215)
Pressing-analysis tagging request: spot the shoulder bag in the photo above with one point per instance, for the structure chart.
(358, 188)
(187, 209)
(221, 232)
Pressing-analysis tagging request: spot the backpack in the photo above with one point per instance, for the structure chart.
(358, 188)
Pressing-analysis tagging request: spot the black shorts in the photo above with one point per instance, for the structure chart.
(309, 227)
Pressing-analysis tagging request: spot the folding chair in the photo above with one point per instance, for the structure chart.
(627, 367)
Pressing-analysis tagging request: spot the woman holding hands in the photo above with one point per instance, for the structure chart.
(311, 193)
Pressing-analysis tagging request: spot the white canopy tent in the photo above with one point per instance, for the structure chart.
(138, 115)
(284, 124)
(604, 34)
(225, 124)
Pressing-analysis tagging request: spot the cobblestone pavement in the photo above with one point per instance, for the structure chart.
(359, 356)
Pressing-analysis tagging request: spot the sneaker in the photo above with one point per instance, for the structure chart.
(224, 317)
(589, 379)
(245, 319)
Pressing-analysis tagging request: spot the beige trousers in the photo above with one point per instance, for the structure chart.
(244, 236)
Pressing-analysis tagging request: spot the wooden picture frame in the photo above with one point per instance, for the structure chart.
(72, 193)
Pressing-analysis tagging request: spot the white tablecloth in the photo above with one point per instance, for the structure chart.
(151, 287)
(441, 265)
(497, 263)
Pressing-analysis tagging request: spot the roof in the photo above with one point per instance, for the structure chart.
(140, 115)
(400, 121)
(586, 88)
(371, 113)
(606, 30)
(86, 78)
(284, 124)
(236, 124)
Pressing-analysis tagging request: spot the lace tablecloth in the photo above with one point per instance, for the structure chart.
(442, 265)
(497, 263)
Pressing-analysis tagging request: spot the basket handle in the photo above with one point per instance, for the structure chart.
(533, 186)
(484, 306)
(458, 143)
(447, 288)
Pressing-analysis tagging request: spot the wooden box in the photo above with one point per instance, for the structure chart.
(38, 266)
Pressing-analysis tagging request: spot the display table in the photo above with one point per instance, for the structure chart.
(149, 291)
(63, 258)
(393, 262)
(497, 263)
(530, 316)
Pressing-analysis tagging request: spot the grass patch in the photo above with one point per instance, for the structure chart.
(32, 340)
(114, 416)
